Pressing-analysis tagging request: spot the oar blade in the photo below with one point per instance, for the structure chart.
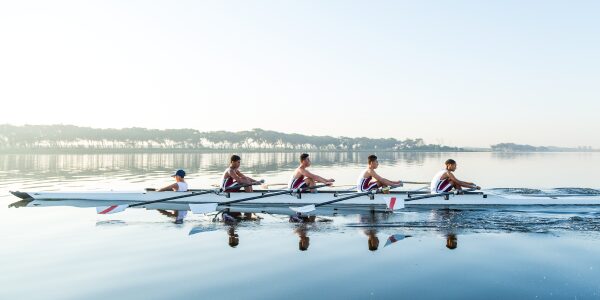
(203, 208)
(304, 209)
(113, 209)
(394, 203)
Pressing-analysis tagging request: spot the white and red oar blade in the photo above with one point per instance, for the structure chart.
(113, 209)
(304, 209)
(394, 203)
(203, 208)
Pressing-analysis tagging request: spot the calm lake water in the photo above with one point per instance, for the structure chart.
(499, 253)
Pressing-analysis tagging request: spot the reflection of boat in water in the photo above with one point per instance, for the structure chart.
(280, 204)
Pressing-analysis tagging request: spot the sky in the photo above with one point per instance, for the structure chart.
(460, 73)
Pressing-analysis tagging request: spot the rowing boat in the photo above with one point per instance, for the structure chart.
(284, 201)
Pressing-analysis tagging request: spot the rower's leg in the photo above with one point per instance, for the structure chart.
(248, 189)
(310, 182)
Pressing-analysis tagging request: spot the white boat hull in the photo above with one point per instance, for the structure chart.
(284, 201)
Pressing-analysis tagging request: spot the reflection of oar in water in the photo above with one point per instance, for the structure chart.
(209, 207)
(394, 238)
(119, 208)
(312, 207)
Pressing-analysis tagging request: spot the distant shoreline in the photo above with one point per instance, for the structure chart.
(52, 139)
(208, 151)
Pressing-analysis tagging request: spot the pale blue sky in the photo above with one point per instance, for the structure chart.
(468, 73)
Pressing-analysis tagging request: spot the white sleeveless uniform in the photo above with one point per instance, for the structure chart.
(228, 184)
(365, 184)
(438, 185)
(182, 187)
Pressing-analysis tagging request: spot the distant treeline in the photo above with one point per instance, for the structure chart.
(68, 137)
(512, 147)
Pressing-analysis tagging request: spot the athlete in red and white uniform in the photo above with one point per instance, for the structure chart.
(444, 180)
(302, 178)
(366, 182)
(233, 179)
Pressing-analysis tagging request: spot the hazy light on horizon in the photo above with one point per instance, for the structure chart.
(465, 73)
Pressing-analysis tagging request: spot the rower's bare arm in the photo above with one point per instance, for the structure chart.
(172, 187)
(460, 182)
(249, 179)
(316, 178)
(382, 180)
(238, 176)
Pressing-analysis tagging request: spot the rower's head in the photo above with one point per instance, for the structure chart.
(451, 241)
(373, 242)
(450, 165)
(303, 243)
(179, 175)
(234, 241)
(235, 161)
(372, 160)
(304, 160)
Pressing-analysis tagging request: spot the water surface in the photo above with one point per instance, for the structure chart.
(499, 253)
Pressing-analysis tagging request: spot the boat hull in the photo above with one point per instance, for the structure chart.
(95, 199)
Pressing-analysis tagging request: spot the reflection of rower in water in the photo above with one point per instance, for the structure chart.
(446, 219)
(451, 241)
(304, 241)
(444, 181)
(303, 227)
(234, 239)
(364, 180)
(371, 233)
(179, 186)
(302, 178)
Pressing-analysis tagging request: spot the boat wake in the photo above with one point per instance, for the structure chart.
(526, 221)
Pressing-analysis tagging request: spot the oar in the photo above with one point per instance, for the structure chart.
(416, 182)
(266, 186)
(119, 208)
(312, 207)
(200, 208)
(206, 207)
(440, 194)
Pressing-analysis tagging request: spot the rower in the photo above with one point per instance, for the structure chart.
(233, 179)
(444, 181)
(364, 180)
(302, 178)
(179, 186)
